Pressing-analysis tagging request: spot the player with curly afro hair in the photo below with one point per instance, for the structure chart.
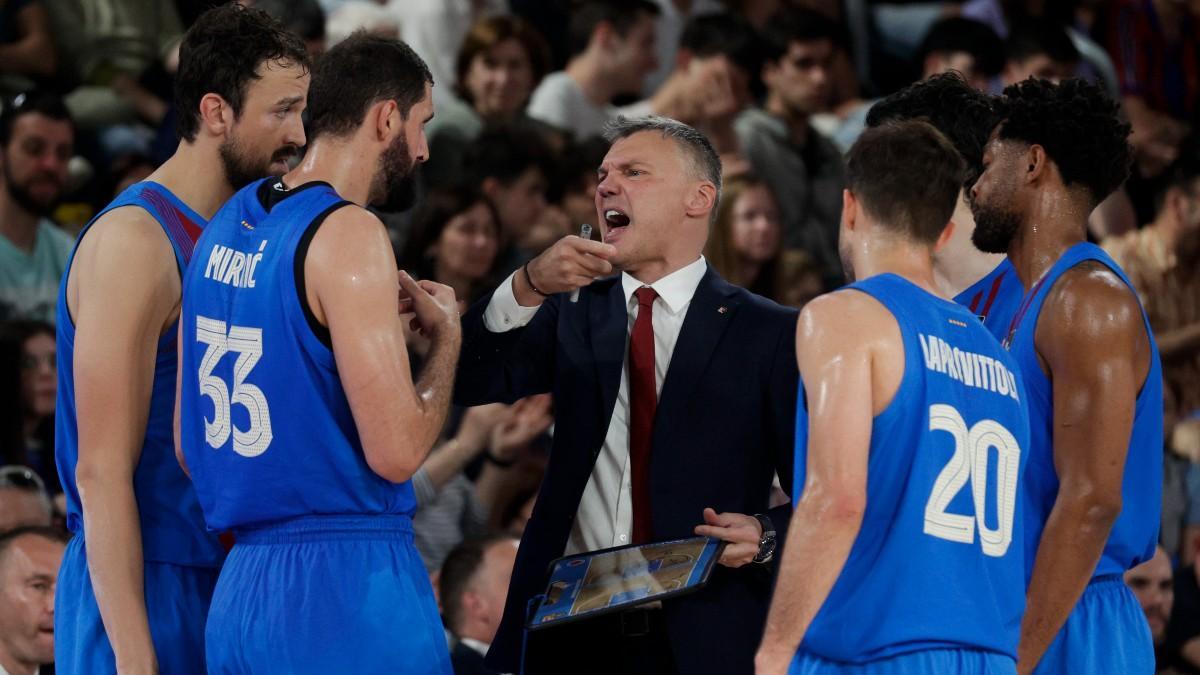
(983, 282)
(1075, 127)
(1092, 379)
(962, 113)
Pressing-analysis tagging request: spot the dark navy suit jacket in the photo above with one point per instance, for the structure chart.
(723, 427)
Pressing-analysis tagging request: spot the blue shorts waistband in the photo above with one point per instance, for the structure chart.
(1107, 580)
(327, 527)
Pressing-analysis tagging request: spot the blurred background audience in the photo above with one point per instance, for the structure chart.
(523, 88)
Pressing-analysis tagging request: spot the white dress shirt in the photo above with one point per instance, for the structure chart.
(605, 515)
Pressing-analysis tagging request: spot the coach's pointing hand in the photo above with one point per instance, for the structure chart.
(570, 263)
(433, 305)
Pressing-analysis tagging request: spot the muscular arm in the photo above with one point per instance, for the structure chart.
(836, 354)
(351, 275)
(119, 317)
(1092, 340)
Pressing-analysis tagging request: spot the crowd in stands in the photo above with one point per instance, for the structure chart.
(523, 88)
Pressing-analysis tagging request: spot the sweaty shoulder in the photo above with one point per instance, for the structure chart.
(847, 320)
(1089, 310)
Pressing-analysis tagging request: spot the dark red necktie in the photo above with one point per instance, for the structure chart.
(643, 400)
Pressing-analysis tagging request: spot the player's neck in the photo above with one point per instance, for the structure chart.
(1040, 242)
(339, 162)
(196, 176)
(13, 666)
(17, 225)
(913, 263)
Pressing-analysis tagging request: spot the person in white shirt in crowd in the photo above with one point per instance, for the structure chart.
(612, 50)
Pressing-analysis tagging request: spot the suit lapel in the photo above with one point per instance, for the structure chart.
(709, 314)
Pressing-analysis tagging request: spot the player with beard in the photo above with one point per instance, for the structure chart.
(985, 283)
(299, 417)
(138, 575)
(1093, 380)
(36, 141)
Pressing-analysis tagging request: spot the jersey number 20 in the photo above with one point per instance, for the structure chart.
(972, 449)
(247, 342)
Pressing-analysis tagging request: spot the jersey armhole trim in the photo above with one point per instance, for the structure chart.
(320, 331)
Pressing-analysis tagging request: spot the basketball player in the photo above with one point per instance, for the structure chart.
(136, 579)
(1092, 377)
(985, 283)
(905, 551)
(299, 416)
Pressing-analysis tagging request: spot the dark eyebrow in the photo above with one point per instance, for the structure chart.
(289, 101)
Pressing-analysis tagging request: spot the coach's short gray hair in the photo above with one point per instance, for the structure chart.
(699, 151)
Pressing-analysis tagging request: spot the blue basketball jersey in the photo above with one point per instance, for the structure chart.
(1135, 532)
(995, 298)
(266, 429)
(938, 562)
(172, 524)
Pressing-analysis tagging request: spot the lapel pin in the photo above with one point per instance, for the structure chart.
(722, 309)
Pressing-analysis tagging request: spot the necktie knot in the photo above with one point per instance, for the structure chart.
(645, 296)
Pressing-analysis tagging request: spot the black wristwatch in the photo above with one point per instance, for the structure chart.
(766, 545)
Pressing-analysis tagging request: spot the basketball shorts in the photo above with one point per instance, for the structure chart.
(1105, 633)
(964, 661)
(326, 594)
(177, 601)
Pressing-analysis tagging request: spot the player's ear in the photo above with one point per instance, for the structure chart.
(216, 115)
(1036, 163)
(944, 237)
(387, 120)
(849, 210)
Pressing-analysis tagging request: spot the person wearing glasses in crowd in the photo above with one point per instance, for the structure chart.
(23, 499)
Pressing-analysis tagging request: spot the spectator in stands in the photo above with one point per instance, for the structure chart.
(456, 235)
(473, 586)
(577, 178)
(744, 246)
(612, 51)
(714, 75)
(803, 168)
(451, 506)
(501, 61)
(1155, 46)
(511, 166)
(29, 377)
(970, 47)
(1163, 261)
(1154, 587)
(1182, 642)
(37, 139)
(29, 560)
(1039, 49)
(800, 278)
(23, 499)
(305, 18)
(435, 29)
(26, 48)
